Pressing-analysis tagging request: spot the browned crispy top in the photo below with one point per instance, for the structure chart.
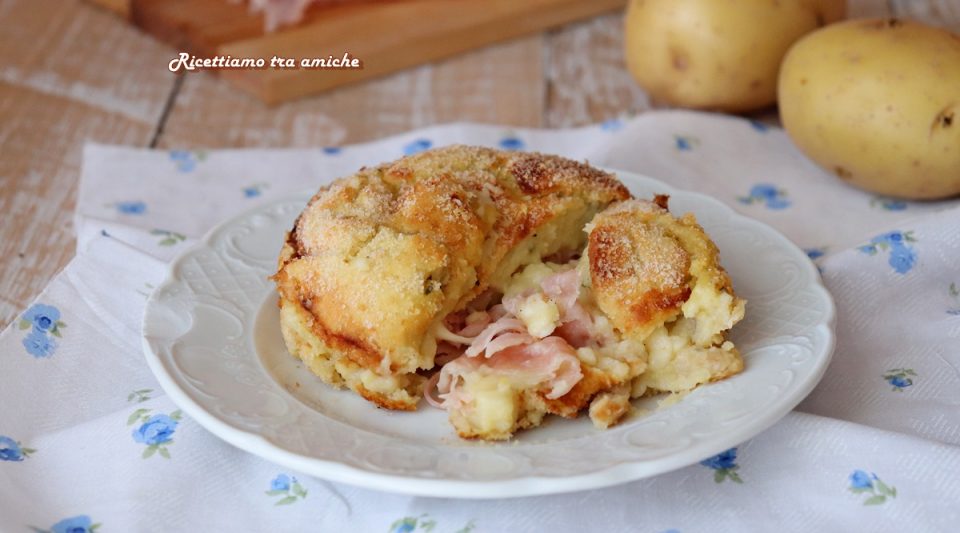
(640, 258)
(378, 257)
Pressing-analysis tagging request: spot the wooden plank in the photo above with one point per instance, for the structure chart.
(202, 26)
(499, 84)
(119, 7)
(867, 8)
(386, 36)
(42, 141)
(196, 26)
(71, 50)
(587, 78)
(69, 73)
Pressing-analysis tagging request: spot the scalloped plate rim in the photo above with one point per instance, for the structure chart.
(530, 485)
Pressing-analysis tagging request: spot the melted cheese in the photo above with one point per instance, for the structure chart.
(714, 311)
(539, 314)
(677, 363)
(529, 278)
(495, 404)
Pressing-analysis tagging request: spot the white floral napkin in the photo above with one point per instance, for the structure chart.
(88, 441)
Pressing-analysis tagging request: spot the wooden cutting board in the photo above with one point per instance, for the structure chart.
(385, 35)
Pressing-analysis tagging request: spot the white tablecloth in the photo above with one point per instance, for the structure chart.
(89, 441)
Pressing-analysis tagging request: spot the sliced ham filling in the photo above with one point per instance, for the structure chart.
(500, 341)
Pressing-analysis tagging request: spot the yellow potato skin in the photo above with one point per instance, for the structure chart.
(717, 54)
(877, 102)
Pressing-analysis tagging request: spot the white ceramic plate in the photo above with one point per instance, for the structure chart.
(211, 336)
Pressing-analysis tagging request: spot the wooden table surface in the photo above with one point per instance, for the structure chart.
(72, 73)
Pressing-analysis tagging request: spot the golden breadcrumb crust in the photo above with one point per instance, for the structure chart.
(379, 258)
(610, 406)
(644, 263)
(659, 279)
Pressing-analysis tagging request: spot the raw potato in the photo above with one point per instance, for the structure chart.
(717, 54)
(877, 102)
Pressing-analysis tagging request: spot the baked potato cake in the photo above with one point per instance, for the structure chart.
(378, 260)
(503, 286)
